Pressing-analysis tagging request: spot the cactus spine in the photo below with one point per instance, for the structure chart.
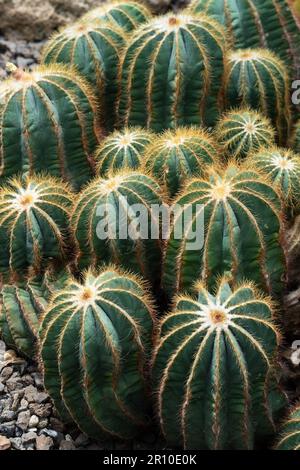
(34, 224)
(258, 23)
(21, 307)
(122, 150)
(105, 209)
(283, 168)
(161, 86)
(240, 215)
(258, 79)
(96, 339)
(177, 155)
(94, 48)
(47, 124)
(296, 138)
(290, 432)
(211, 369)
(242, 131)
(126, 15)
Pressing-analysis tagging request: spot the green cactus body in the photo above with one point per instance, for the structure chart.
(21, 307)
(239, 214)
(242, 131)
(127, 15)
(258, 79)
(211, 366)
(177, 155)
(94, 48)
(104, 223)
(282, 166)
(122, 150)
(171, 73)
(295, 144)
(95, 342)
(290, 432)
(258, 23)
(34, 225)
(47, 124)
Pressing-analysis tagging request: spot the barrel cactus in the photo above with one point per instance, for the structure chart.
(113, 221)
(48, 123)
(177, 155)
(96, 340)
(242, 131)
(283, 168)
(122, 149)
(258, 79)
(228, 223)
(211, 369)
(21, 307)
(94, 48)
(161, 85)
(296, 138)
(258, 23)
(127, 15)
(290, 432)
(34, 225)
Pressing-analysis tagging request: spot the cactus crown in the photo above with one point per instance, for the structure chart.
(150, 98)
(290, 431)
(122, 149)
(241, 131)
(34, 223)
(232, 205)
(96, 338)
(226, 342)
(179, 154)
(283, 168)
(258, 79)
(127, 15)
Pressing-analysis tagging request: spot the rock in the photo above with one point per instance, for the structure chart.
(27, 379)
(41, 410)
(43, 423)
(32, 395)
(16, 401)
(23, 405)
(10, 355)
(49, 432)
(44, 442)
(4, 443)
(34, 421)
(29, 437)
(14, 383)
(8, 429)
(7, 415)
(23, 420)
(81, 440)
(16, 443)
(6, 373)
(38, 379)
(66, 445)
(2, 387)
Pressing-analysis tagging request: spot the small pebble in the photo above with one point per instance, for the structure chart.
(4, 443)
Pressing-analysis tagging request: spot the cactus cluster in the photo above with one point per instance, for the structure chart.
(149, 169)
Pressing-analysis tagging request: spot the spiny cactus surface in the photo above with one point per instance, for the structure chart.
(282, 166)
(210, 369)
(106, 226)
(258, 23)
(21, 307)
(94, 48)
(95, 342)
(34, 224)
(171, 73)
(242, 131)
(290, 432)
(178, 155)
(48, 122)
(127, 15)
(296, 138)
(258, 79)
(234, 227)
(122, 149)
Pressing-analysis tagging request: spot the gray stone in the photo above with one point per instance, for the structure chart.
(6, 373)
(66, 445)
(29, 437)
(23, 405)
(8, 429)
(14, 383)
(49, 432)
(2, 387)
(34, 421)
(16, 443)
(16, 400)
(7, 415)
(27, 379)
(41, 410)
(32, 395)
(44, 442)
(23, 420)
(43, 423)
(38, 380)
